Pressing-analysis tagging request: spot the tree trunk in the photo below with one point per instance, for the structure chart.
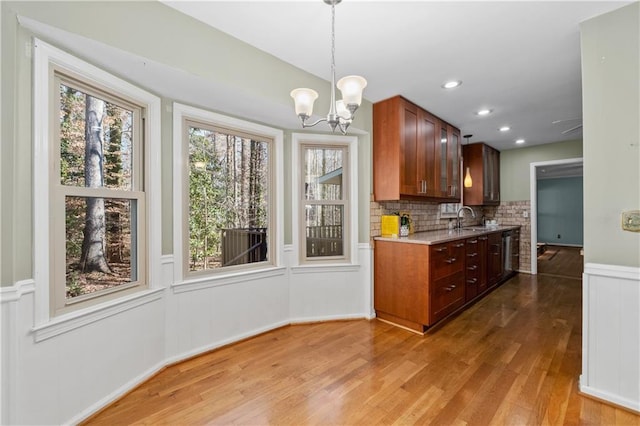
(93, 245)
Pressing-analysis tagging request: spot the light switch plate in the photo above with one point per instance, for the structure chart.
(631, 220)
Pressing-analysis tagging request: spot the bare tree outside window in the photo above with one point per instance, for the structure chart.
(96, 153)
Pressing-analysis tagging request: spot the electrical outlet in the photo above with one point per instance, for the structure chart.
(559, 236)
(525, 214)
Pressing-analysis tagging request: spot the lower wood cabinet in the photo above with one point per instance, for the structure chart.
(416, 285)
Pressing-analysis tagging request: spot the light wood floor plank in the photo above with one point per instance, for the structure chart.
(513, 358)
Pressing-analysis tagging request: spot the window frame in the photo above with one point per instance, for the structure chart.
(300, 141)
(50, 61)
(182, 116)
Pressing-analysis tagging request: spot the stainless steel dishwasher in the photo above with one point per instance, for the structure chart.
(507, 251)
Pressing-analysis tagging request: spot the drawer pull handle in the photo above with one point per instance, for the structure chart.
(472, 254)
(472, 281)
(460, 245)
(483, 238)
(441, 249)
(472, 242)
(472, 267)
(453, 286)
(450, 260)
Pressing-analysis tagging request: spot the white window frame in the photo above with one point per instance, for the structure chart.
(47, 323)
(183, 278)
(351, 202)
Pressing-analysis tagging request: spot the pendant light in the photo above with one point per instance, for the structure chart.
(468, 182)
(340, 112)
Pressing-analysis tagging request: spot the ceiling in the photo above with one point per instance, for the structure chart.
(520, 59)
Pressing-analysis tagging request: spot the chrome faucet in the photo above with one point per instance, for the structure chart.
(459, 224)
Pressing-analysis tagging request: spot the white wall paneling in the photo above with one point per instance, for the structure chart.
(611, 334)
(70, 375)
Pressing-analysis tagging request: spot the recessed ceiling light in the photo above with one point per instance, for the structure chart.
(484, 112)
(451, 84)
(519, 141)
(505, 128)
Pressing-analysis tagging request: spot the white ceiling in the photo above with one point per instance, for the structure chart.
(519, 58)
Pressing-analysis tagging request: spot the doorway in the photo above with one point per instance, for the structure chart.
(554, 168)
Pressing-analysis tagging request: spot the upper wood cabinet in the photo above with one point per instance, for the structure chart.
(415, 154)
(483, 162)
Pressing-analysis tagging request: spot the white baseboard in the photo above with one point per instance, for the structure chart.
(609, 397)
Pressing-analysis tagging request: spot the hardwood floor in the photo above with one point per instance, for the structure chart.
(513, 358)
(561, 261)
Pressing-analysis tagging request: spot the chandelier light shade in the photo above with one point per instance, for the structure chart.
(304, 99)
(341, 112)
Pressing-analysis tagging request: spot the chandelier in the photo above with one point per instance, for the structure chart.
(340, 112)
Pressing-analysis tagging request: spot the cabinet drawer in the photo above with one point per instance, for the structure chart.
(447, 259)
(447, 294)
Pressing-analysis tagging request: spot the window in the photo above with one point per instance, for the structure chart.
(326, 187)
(226, 216)
(92, 184)
(97, 196)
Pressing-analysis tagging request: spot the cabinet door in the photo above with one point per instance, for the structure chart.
(409, 184)
(495, 176)
(442, 161)
(425, 154)
(453, 154)
(487, 173)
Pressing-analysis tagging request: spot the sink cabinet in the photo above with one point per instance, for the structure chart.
(483, 162)
(416, 155)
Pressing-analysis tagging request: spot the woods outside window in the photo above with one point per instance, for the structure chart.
(225, 196)
(97, 194)
(228, 187)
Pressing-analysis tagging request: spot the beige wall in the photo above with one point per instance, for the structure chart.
(515, 170)
(189, 46)
(611, 114)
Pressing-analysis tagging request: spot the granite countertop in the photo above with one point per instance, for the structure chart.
(445, 235)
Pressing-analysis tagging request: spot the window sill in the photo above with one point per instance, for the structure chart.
(77, 319)
(227, 279)
(327, 267)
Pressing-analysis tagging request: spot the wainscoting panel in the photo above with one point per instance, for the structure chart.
(611, 334)
(69, 375)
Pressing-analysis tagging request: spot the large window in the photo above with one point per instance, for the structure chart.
(97, 193)
(92, 184)
(225, 211)
(228, 197)
(325, 189)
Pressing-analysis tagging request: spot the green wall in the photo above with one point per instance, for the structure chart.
(611, 114)
(156, 32)
(515, 170)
